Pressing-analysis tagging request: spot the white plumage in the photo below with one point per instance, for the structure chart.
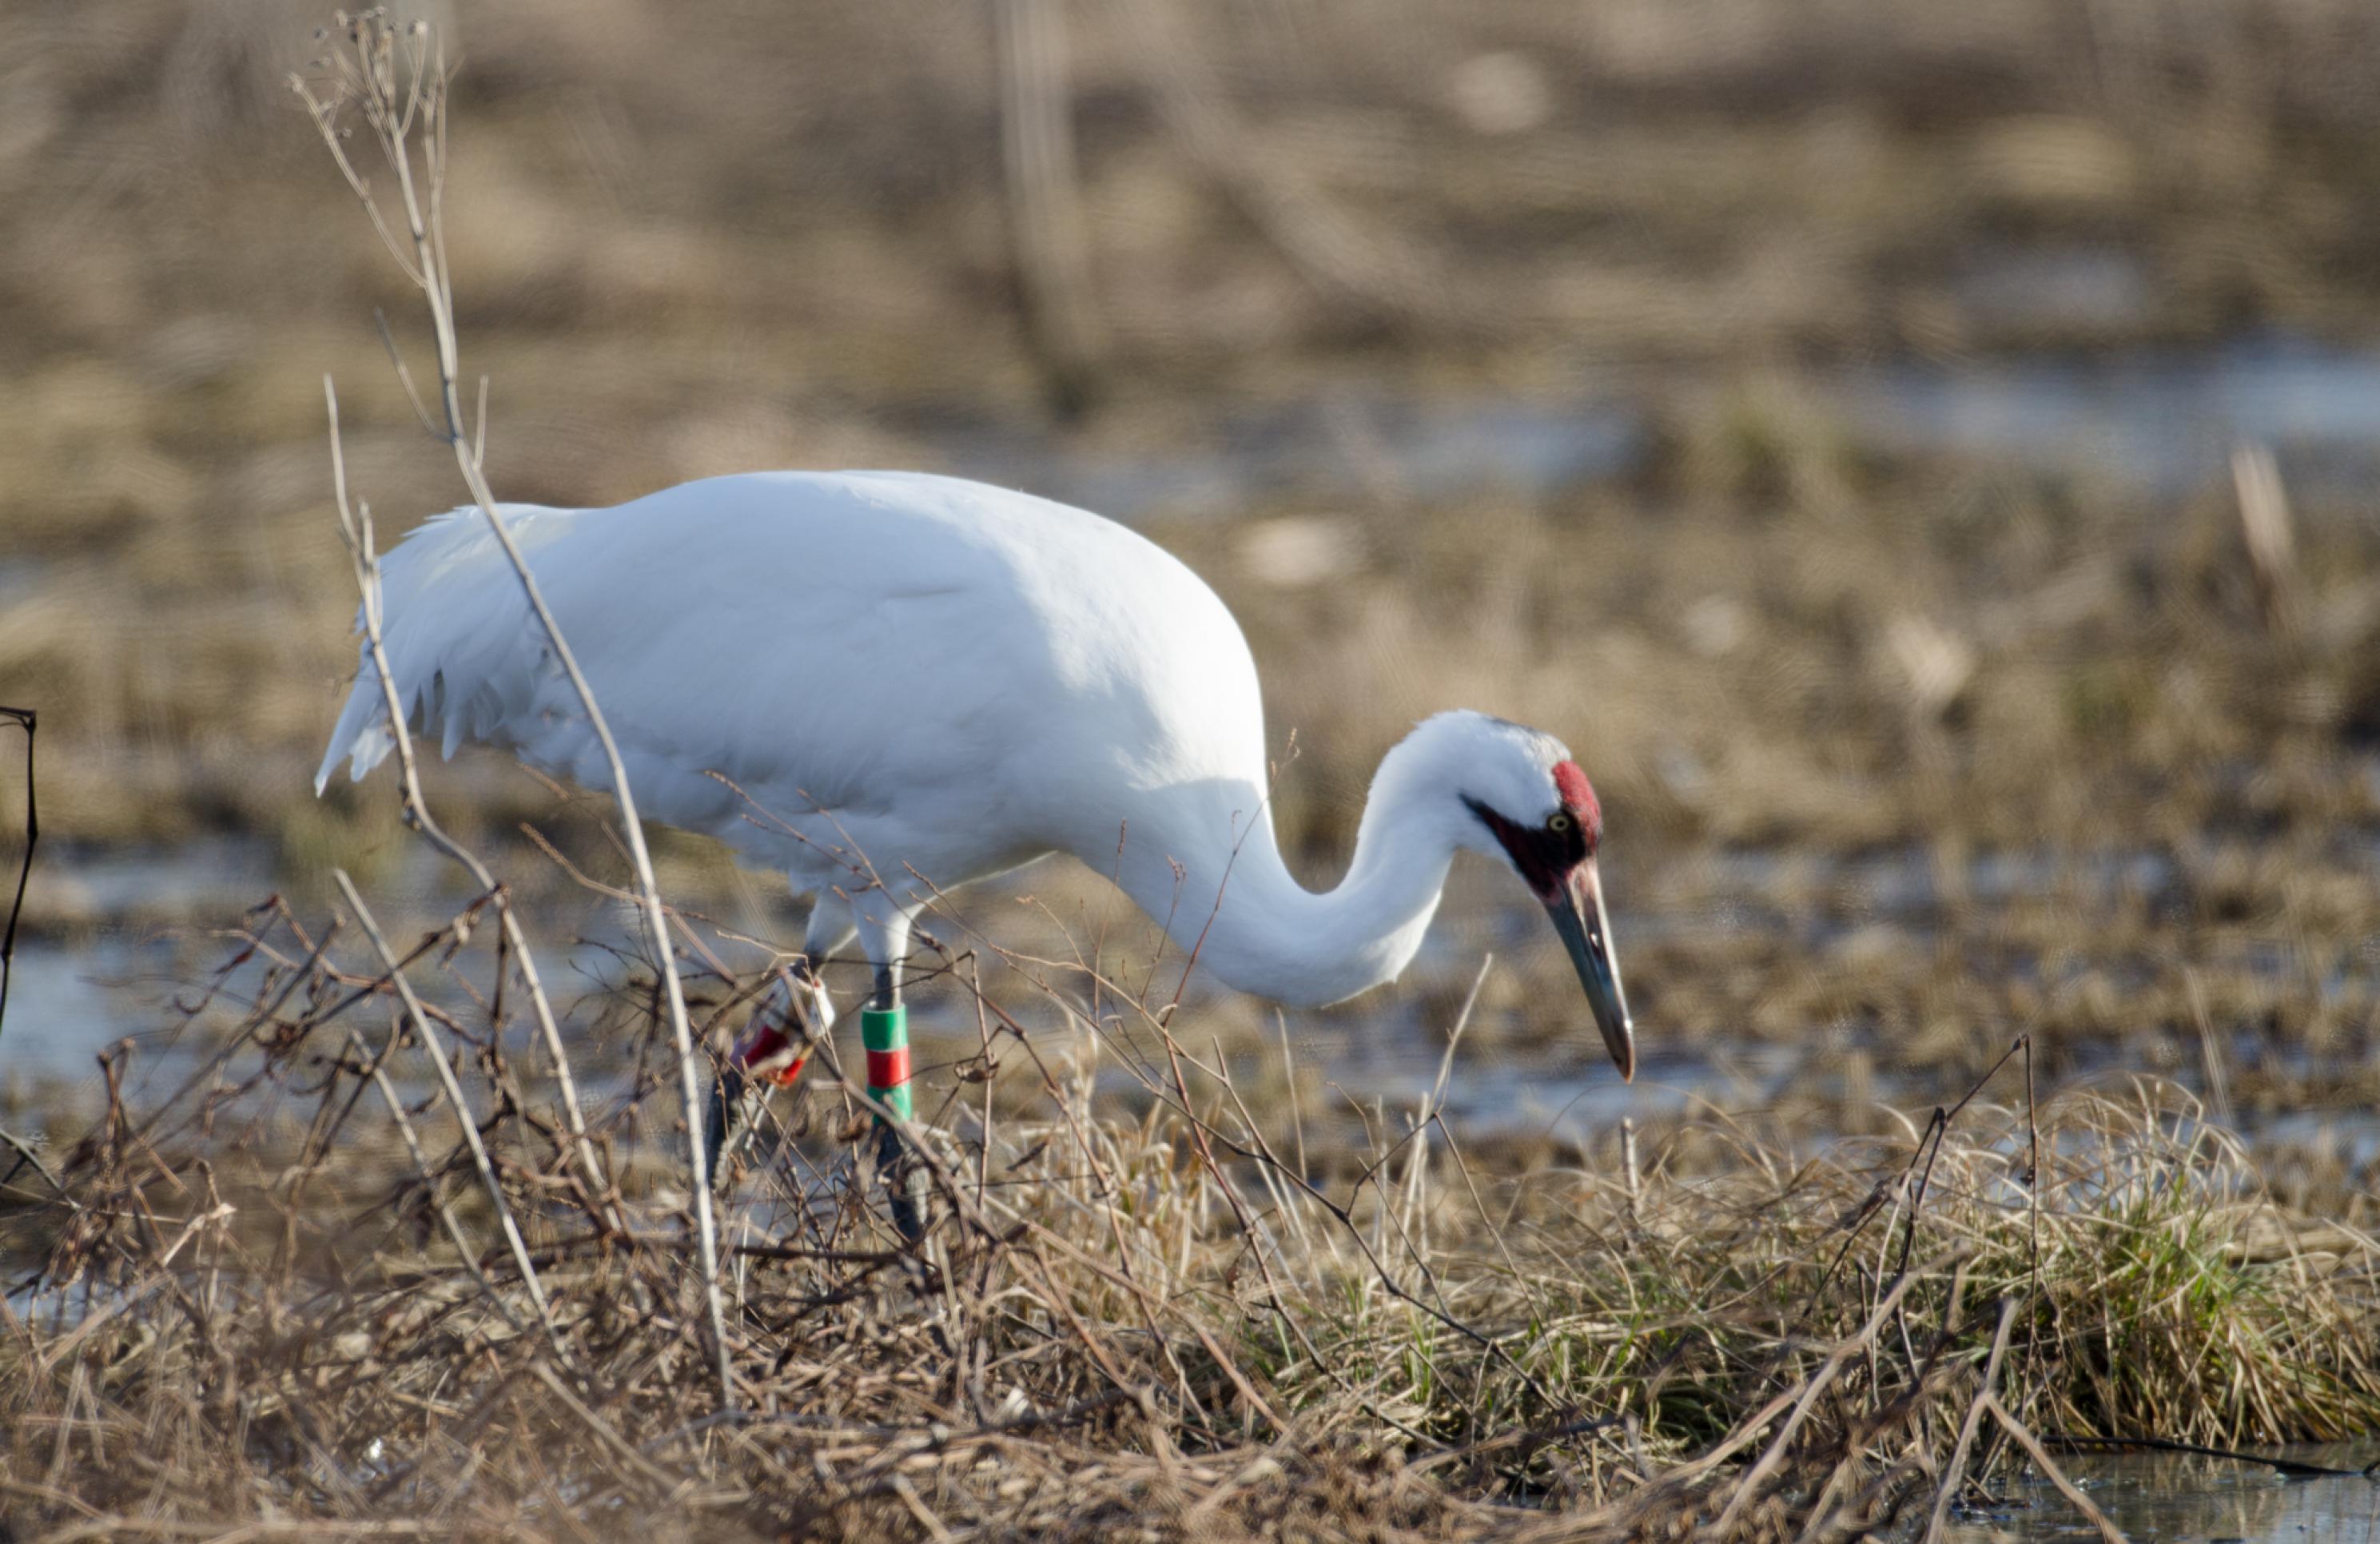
(918, 679)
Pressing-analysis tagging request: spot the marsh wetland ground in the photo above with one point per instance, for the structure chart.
(1921, 458)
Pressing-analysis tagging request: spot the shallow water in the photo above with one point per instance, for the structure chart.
(120, 975)
(2160, 422)
(1355, 442)
(2163, 420)
(2170, 1499)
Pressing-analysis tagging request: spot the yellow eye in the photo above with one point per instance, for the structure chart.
(1560, 824)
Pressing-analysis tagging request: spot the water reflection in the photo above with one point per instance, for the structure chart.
(76, 993)
(2169, 1498)
(2160, 422)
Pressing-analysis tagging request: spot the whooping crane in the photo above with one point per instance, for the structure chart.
(880, 682)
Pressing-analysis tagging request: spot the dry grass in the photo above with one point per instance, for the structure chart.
(241, 1313)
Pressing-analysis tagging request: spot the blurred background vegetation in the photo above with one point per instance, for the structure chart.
(1820, 412)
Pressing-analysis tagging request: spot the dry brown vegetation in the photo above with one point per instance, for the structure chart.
(244, 1316)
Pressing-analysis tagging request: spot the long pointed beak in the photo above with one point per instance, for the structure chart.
(1585, 929)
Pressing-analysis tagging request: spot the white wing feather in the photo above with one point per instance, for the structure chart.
(945, 679)
(948, 676)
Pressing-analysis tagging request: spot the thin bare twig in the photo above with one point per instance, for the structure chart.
(463, 1117)
(357, 528)
(368, 84)
(1954, 1473)
(23, 719)
(2016, 1429)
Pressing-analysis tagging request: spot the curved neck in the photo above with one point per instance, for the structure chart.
(1255, 927)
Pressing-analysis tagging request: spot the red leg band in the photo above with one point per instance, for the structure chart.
(888, 1069)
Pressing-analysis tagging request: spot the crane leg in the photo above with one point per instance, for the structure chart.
(884, 1026)
(769, 1054)
(787, 1027)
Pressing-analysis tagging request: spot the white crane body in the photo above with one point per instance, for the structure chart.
(885, 684)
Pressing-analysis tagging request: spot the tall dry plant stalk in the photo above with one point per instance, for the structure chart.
(1367, 269)
(394, 85)
(2268, 533)
(356, 529)
(24, 719)
(1045, 216)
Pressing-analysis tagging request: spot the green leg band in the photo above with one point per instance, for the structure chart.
(885, 1032)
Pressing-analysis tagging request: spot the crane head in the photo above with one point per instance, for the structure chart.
(1551, 844)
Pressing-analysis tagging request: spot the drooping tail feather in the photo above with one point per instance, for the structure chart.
(464, 650)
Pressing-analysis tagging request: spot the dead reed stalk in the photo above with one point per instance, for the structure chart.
(355, 528)
(2269, 535)
(392, 88)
